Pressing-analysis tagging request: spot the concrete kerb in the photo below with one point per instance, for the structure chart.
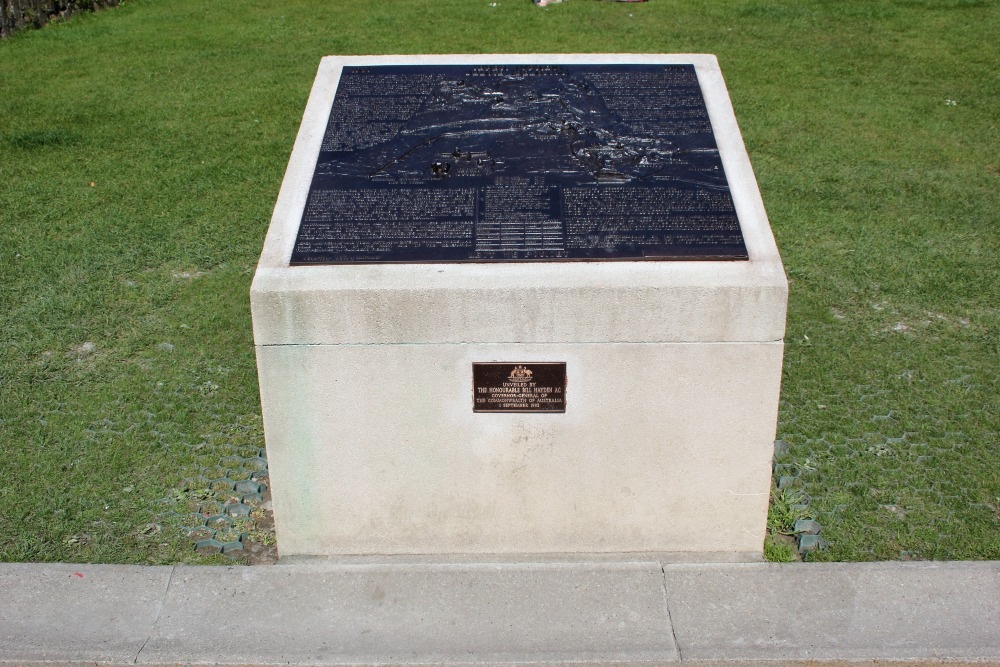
(631, 609)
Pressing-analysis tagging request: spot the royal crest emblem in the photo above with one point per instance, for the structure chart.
(520, 374)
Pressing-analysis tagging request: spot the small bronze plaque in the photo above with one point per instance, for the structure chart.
(519, 387)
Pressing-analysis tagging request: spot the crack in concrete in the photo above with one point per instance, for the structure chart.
(666, 605)
(159, 613)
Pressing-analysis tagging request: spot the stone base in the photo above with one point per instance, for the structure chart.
(663, 447)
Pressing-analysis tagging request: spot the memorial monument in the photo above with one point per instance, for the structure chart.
(519, 304)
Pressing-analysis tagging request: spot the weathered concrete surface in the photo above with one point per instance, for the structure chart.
(78, 613)
(661, 448)
(836, 611)
(419, 613)
(565, 610)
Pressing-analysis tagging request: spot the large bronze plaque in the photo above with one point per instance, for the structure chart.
(519, 387)
(483, 163)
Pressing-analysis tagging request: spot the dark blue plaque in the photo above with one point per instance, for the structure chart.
(486, 163)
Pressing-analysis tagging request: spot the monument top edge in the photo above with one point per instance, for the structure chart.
(705, 60)
(291, 203)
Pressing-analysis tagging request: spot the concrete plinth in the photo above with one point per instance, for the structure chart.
(673, 373)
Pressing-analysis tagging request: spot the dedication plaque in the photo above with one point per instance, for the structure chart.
(519, 387)
(483, 163)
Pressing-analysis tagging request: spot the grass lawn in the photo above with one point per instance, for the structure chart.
(141, 150)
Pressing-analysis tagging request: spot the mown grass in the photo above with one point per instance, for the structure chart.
(141, 150)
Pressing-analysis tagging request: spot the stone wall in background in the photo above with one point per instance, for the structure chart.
(17, 14)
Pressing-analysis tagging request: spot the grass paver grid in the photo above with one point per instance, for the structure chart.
(141, 150)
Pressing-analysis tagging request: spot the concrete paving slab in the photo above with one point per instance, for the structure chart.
(533, 611)
(836, 611)
(510, 613)
(78, 613)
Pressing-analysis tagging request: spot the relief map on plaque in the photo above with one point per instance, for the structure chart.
(489, 163)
